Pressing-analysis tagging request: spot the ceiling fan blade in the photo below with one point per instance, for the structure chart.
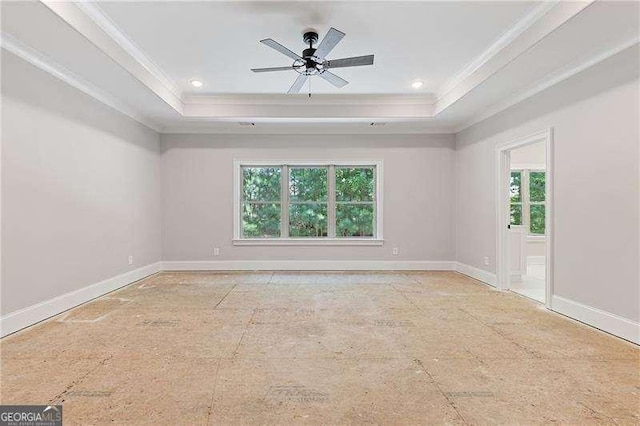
(280, 48)
(355, 61)
(334, 79)
(297, 85)
(272, 69)
(329, 42)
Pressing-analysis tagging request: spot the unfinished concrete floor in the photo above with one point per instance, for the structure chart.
(338, 348)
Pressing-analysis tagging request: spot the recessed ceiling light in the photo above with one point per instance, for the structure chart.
(417, 84)
(196, 83)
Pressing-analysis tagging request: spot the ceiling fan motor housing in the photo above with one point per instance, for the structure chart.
(310, 37)
(309, 58)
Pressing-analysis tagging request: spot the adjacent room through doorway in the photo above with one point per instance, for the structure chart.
(527, 239)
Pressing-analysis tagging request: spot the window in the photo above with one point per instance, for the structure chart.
(536, 202)
(515, 197)
(294, 203)
(308, 202)
(527, 200)
(261, 202)
(355, 201)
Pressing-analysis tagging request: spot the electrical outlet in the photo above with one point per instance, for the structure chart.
(395, 251)
(216, 251)
(486, 261)
(130, 260)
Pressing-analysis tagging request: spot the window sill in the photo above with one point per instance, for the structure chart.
(308, 242)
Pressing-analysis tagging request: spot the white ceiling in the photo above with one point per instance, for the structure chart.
(476, 58)
(217, 42)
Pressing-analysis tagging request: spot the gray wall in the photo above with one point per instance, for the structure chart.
(197, 173)
(80, 189)
(594, 116)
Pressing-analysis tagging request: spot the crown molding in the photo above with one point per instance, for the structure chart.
(303, 99)
(122, 54)
(46, 64)
(550, 80)
(93, 10)
(519, 40)
(494, 49)
(336, 107)
(233, 128)
(373, 111)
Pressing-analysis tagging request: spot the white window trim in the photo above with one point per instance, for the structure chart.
(238, 164)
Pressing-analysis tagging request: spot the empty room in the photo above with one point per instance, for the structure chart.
(318, 212)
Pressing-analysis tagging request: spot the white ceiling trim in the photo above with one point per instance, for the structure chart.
(260, 128)
(92, 10)
(78, 19)
(338, 107)
(549, 81)
(503, 41)
(303, 99)
(94, 25)
(292, 111)
(551, 20)
(34, 57)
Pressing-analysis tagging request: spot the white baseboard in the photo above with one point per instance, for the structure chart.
(14, 321)
(308, 265)
(33, 314)
(605, 321)
(478, 274)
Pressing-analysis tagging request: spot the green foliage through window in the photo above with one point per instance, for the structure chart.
(261, 220)
(308, 220)
(527, 199)
(536, 186)
(261, 184)
(355, 194)
(537, 219)
(308, 184)
(261, 202)
(308, 201)
(354, 184)
(516, 214)
(515, 186)
(354, 220)
(515, 197)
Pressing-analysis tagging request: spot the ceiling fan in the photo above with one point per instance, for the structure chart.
(313, 61)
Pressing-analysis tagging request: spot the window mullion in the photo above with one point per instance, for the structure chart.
(526, 202)
(284, 201)
(331, 202)
(240, 212)
(375, 202)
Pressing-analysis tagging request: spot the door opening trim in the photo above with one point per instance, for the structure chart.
(502, 216)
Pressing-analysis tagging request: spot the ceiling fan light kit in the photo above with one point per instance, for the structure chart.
(313, 61)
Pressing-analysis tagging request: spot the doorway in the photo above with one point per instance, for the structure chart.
(524, 217)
